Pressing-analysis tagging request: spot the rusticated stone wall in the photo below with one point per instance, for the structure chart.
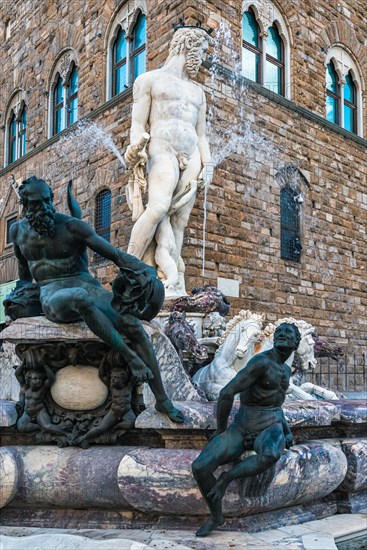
(328, 286)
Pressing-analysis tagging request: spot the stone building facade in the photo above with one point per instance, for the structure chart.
(286, 136)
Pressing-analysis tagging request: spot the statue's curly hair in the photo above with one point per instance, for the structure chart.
(26, 184)
(187, 39)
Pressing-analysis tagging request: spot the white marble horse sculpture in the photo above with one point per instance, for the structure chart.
(236, 347)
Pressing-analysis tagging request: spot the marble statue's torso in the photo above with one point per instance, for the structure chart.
(174, 113)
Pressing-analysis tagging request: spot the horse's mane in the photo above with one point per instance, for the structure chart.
(241, 316)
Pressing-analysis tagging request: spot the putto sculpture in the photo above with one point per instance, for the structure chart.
(51, 249)
(173, 108)
(260, 424)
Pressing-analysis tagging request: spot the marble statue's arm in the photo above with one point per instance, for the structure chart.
(87, 236)
(245, 378)
(23, 269)
(141, 108)
(203, 144)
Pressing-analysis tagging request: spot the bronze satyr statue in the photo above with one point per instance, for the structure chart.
(51, 249)
(260, 424)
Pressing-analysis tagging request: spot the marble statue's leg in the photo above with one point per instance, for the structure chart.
(162, 181)
(179, 219)
(224, 448)
(166, 252)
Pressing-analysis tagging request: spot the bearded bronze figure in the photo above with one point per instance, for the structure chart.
(51, 249)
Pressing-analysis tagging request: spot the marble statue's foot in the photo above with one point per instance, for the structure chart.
(140, 372)
(170, 410)
(209, 526)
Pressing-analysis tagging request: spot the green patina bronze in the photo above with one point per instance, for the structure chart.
(259, 425)
(51, 249)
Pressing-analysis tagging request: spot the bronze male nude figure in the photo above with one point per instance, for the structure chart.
(51, 249)
(260, 424)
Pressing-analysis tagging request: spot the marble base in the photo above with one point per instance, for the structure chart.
(356, 476)
(159, 481)
(353, 503)
(9, 385)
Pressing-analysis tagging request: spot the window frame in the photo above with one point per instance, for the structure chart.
(257, 51)
(17, 138)
(134, 52)
(72, 97)
(353, 106)
(336, 96)
(58, 107)
(345, 65)
(280, 64)
(121, 63)
(125, 18)
(62, 72)
(285, 244)
(268, 15)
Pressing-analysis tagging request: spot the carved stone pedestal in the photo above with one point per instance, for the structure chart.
(75, 390)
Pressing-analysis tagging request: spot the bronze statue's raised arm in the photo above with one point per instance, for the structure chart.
(86, 235)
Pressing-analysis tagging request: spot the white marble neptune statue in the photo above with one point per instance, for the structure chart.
(168, 141)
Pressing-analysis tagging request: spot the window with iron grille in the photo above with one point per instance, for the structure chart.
(102, 218)
(9, 223)
(290, 235)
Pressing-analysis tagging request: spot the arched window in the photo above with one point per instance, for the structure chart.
(344, 85)
(119, 81)
(290, 235)
(102, 217)
(350, 104)
(59, 107)
(126, 53)
(265, 46)
(332, 94)
(72, 97)
(138, 57)
(251, 47)
(12, 139)
(64, 94)
(274, 69)
(17, 129)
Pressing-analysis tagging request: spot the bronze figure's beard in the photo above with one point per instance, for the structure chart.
(42, 221)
